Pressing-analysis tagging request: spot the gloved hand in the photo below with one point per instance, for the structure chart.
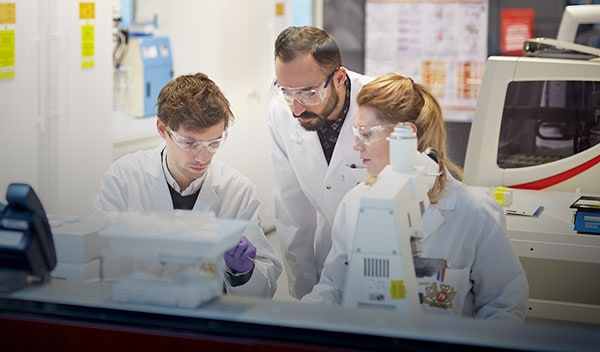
(240, 258)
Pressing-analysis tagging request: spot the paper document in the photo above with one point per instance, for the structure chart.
(524, 211)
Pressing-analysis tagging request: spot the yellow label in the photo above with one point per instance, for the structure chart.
(397, 289)
(7, 53)
(87, 10)
(8, 13)
(87, 64)
(279, 9)
(87, 46)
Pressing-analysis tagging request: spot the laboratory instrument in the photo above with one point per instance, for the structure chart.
(147, 65)
(537, 120)
(536, 125)
(27, 253)
(385, 263)
(573, 17)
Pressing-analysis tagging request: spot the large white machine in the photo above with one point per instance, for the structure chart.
(536, 125)
(573, 17)
(537, 119)
(385, 262)
(537, 128)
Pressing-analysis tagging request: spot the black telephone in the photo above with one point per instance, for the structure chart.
(27, 252)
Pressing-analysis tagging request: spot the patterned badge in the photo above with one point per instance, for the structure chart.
(439, 298)
(208, 269)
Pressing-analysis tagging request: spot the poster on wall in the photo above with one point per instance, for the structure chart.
(440, 44)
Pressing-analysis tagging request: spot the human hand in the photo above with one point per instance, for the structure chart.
(241, 257)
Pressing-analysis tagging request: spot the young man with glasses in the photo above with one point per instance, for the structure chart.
(182, 173)
(310, 123)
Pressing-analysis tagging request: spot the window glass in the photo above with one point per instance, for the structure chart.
(545, 121)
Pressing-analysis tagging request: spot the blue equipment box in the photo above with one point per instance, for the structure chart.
(587, 216)
(148, 62)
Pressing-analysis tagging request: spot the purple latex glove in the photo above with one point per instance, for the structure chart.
(241, 257)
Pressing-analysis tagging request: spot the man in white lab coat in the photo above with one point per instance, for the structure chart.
(310, 122)
(193, 116)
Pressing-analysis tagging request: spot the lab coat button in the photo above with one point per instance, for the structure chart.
(328, 187)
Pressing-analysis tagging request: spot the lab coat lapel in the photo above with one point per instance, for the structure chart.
(208, 192)
(343, 146)
(434, 218)
(310, 143)
(159, 195)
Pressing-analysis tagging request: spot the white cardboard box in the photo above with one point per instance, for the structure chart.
(86, 272)
(76, 239)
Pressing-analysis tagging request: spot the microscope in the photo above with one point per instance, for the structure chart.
(385, 264)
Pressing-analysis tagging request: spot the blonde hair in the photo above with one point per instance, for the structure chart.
(396, 99)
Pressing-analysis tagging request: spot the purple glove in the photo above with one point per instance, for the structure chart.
(240, 258)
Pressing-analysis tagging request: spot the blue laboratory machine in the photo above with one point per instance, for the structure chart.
(148, 66)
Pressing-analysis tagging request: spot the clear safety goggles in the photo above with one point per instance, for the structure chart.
(194, 145)
(307, 96)
(367, 134)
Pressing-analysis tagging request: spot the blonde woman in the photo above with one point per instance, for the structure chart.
(465, 227)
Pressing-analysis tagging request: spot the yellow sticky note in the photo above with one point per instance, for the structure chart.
(7, 53)
(8, 13)
(87, 10)
(503, 196)
(87, 46)
(397, 289)
(279, 9)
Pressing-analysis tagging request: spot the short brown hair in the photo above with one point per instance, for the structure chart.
(193, 101)
(293, 41)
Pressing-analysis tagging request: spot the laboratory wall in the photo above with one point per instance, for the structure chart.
(56, 108)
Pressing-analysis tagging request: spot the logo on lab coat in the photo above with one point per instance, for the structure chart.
(439, 298)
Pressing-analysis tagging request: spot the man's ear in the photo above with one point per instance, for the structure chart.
(160, 127)
(340, 75)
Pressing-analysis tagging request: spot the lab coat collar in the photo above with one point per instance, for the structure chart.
(159, 189)
(314, 150)
(309, 141)
(191, 188)
(212, 182)
(345, 139)
(433, 217)
(157, 186)
(343, 147)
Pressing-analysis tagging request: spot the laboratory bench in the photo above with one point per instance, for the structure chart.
(561, 266)
(71, 315)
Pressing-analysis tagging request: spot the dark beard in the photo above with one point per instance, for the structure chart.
(318, 121)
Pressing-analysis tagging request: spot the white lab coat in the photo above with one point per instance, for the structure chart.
(136, 182)
(467, 228)
(308, 191)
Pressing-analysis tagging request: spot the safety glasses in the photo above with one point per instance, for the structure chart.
(194, 145)
(307, 96)
(367, 134)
